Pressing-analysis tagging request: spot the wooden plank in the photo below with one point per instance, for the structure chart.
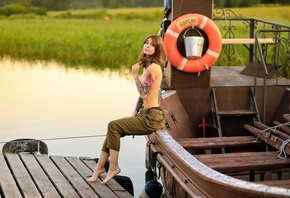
(8, 186)
(22, 176)
(60, 182)
(244, 112)
(218, 142)
(247, 41)
(81, 186)
(268, 138)
(234, 162)
(39, 176)
(266, 128)
(83, 170)
(112, 184)
(284, 128)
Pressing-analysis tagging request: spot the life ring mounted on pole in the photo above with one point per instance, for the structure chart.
(179, 25)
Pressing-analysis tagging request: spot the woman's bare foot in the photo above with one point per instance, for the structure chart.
(96, 175)
(110, 175)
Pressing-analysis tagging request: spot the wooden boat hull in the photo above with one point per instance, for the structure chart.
(188, 177)
(218, 102)
(185, 175)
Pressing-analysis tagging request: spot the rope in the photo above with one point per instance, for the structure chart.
(258, 136)
(277, 126)
(282, 154)
(274, 128)
(63, 138)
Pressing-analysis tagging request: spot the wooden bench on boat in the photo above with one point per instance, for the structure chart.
(210, 143)
(248, 161)
(247, 41)
(232, 41)
(28, 175)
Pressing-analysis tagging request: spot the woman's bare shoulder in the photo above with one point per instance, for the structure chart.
(154, 68)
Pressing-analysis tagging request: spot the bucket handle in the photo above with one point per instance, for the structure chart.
(192, 29)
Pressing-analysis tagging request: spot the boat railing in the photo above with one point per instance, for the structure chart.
(234, 26)
(266, 45)
(278, 40)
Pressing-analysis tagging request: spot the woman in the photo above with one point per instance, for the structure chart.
(148, 119)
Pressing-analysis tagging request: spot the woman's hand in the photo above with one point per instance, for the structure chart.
(135, 69)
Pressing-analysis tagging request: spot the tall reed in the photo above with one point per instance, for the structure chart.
(90, 43)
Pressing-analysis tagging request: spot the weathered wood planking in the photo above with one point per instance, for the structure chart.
(81, 186)
(41, 180)
(7, 182)
(113, 185)
(84, 171)
(247, 161)
(22, 177)
(61, 183)
(28, 175)
(218, 142)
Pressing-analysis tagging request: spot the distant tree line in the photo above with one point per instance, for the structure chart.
(246, 3)
(90, 4)
(86, 4)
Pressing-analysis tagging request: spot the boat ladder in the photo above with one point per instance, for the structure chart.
(218, 111)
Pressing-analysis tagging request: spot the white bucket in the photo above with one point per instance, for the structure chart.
(193, 45)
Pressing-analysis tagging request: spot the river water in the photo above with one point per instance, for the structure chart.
(47, 101)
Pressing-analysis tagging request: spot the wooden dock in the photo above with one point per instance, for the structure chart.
(32, 175)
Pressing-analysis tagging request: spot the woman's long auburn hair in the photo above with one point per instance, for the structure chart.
(159, 55)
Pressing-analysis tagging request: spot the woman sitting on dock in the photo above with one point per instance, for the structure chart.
(144, 121)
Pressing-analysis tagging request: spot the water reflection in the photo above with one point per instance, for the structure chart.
(47, 101)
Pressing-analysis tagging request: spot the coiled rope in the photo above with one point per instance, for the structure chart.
(282, 154)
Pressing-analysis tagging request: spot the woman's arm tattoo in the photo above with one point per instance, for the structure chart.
(144, 89)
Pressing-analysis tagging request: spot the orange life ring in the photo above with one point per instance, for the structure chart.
(208, 58)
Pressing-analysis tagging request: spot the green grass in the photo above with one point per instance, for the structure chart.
(82, 38)
(91, 43)
(112, 12)
(278, 14)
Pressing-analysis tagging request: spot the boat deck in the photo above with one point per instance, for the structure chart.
(29, 175)
(231, 76)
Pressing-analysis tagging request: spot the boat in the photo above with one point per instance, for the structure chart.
(226, 122)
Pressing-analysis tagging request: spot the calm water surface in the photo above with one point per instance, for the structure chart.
(46, 101)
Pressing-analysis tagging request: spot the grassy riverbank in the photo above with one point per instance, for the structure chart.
(84, 38)
(74, 42)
